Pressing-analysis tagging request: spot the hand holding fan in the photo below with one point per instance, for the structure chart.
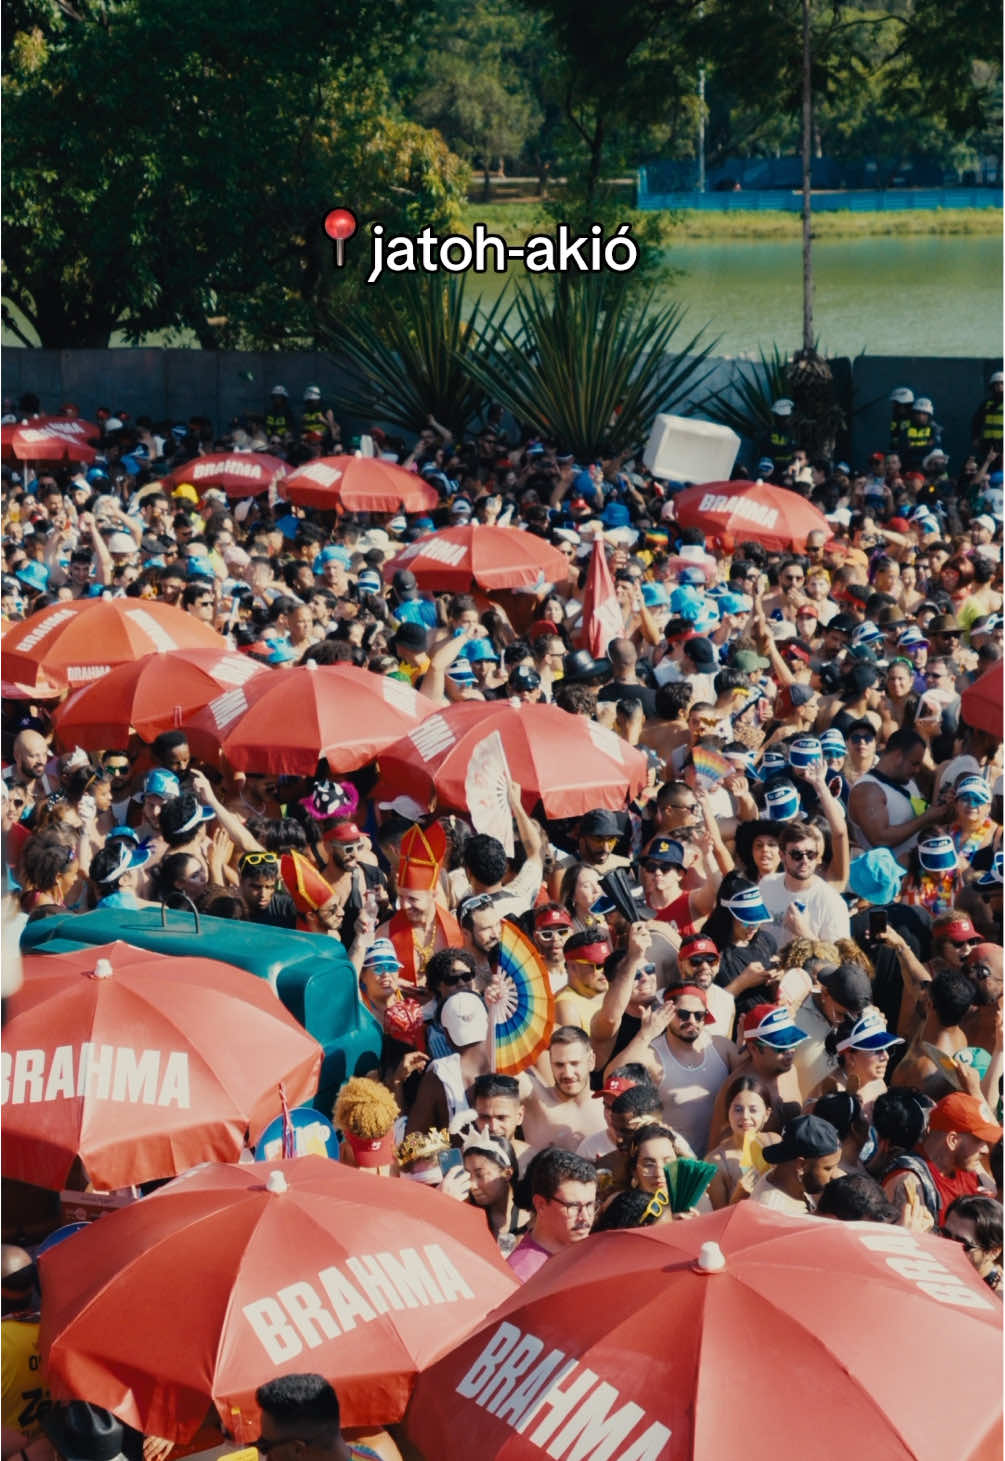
(711, 766)
(486, 790)
(524, 1018)
(687, 1180)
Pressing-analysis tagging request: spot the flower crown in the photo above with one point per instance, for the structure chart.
(419, 1144)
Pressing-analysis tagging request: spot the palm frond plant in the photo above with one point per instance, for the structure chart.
(585, 365)
(406, 348)
(745, 404)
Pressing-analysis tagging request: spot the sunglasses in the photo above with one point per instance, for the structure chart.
(452, 980)
(697, 1016)
(699, 961)
(657, 1205)
(554, 932)
(965, 943)
(799, 855)
(861, 740)
(117, 768)
(645, 971)
(259, 859)
(659, 867)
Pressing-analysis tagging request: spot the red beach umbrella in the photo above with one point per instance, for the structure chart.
(71, 643)
(283, 723)
(359, 484)
(232, 1275)
(142, 1064)
(982, 701)
(572, 764)
(152, 694)
(456, 559)
(238, 473)
(774, 516)
(626, 1337)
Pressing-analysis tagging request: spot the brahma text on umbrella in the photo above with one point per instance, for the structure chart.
(574, 1413)
(250, 470)
(304, 1315)
(755, 512)
(102, 1072)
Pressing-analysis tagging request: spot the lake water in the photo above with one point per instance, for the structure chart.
(888, 296)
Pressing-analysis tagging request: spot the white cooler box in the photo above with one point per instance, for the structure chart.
(682, 450)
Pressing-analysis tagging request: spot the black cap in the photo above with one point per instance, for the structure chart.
(410, 636)
(580, 665)
(666, 850)
(701, 652)
(524, 678)
(848, 984)
(800, 694)
(804, 1136)
(405, 584)
(601, 823)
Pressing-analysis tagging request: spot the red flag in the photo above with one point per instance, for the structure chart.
(602, 619)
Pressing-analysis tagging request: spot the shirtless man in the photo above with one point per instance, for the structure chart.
(564, 1114)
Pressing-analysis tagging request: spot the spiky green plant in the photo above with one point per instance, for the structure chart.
(408, 347)
(586, 365)
(745, 404)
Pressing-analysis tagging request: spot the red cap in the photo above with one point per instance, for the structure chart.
(960, 1112)
(796, 651)
(596, 953)
(697, 944)
(614, 1086)
(343, 832)
(808, 609)
(899, 525)
(372, 1151)
(552, 917)
(542, 626)
(957, 930)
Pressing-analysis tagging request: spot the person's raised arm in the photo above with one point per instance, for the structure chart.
(837, 822)
(607, 1021)
(229, 821)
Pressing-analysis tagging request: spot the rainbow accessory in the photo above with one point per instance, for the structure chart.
(524, 1021)
(711, 765)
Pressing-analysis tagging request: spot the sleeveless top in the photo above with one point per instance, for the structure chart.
(448, 1072)
(899, 809)
(688, 1093)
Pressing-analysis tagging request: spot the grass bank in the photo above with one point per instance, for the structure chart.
(515, 221)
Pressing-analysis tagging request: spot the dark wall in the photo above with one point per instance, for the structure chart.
(171, 385)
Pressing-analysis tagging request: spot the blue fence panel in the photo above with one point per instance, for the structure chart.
(892, 200)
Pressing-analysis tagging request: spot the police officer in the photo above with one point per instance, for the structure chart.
(986, 427)
(780, 444)
(317, 420)
(278, 415)
(901, 401)
(921, 435)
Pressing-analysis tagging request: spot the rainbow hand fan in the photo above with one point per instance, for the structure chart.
(523, 1022)
(711, 766)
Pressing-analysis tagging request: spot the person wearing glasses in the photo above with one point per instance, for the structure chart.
(562, 1188)
(258, 884)
(976, 1224)
(823, 913)
(553, 927)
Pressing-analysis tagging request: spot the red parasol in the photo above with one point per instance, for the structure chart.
(68, 425)
(56, 442)
(774, 516)
(602, 619)
(70, 643)
(238, 473)
(142, 1064)
(982, 702)
(570, 763)
(798, 1337)
(359, 484)
(284, 723)
(233, 1275)
(493, 558)
(149, 695)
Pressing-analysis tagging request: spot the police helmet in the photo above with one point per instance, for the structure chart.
(902, 396)
(924, 404)
(783, 407)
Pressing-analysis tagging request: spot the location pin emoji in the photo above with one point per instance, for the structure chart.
(340, 224)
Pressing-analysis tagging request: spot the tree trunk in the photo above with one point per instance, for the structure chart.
(807, 141)
(486, 180)
(596, 159)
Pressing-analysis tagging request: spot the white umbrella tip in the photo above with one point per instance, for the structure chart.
(103, 969)
(711, 1258)
(276, 1183)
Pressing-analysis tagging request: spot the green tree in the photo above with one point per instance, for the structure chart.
(477, 93)
(171, 166)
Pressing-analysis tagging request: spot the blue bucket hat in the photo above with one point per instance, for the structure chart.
(159, 782)
(685, 602)
(479, 649)
(747, 907)
(876, 876)
(781, 802)
(938, 854)
(805, 751)
(655, 596)
(33, 575)
(730, 603)
(616, 515)
(332, 552)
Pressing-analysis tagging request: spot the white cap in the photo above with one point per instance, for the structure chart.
(465, 1018)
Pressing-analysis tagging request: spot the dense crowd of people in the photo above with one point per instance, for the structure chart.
(782, 956)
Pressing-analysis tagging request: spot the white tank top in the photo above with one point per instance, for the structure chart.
(688, 1093)
(448, 1072)
(899, 809)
